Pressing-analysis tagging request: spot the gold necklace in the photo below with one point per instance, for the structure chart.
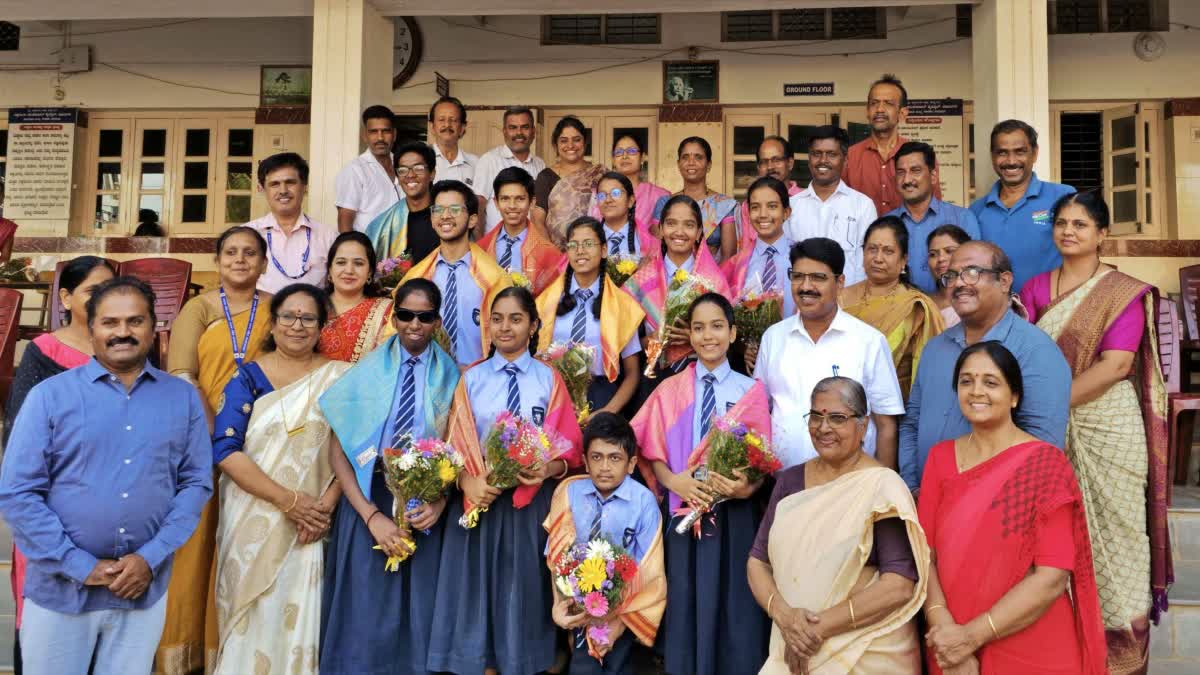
(295, 431)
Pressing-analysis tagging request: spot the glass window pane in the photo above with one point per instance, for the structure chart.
(196, 143)
(241, 142)
(1149, 211)
(1125, 206)
(410, 129)
(797, 135)
(858, 131)
(154, 142)
(108, 176)
(1145, 133)
(744, 173)
(239, 176)
(3, 142)
(150, 203)
(152, 175)
(195, 209)
(747, 139)
(800, 173)
(237, 208)
(108, 208)
(195, 175)
(1124, 133)
(110, 142)
(1124, 169)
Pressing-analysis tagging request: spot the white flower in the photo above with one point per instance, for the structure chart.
(563, 586)
(600, 549)
(407, 461)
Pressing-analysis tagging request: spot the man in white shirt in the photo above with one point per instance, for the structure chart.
(448, 122)
(366, 187)
(822, 341)
(297, 247)
(519, 132)
(828, 207)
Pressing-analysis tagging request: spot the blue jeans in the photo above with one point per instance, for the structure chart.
(122, 640)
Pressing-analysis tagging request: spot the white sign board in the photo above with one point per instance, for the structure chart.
(939, 122)
(41, 150)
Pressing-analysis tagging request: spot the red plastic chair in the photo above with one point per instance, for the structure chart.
(1182, 406)
(169, 279)
(56, 306)
(10, 314)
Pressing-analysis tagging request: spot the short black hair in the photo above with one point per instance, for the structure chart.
(829, 131)
(1011, 126)
(513, 175)
(783, 143)
(517, 110)
(125, 284)
(704, 145)
(916, 147)
(379, 112)
(282, 160)
(418, 285)
(1009, 367)
(821, 249)
(462, 110)
(568, 121)
(242, 229)
(318, 296)
(711, 298)
(888, 78)
(959, 235)
(610, 428)
(421, 149)
(461, 188)
(1091, 201)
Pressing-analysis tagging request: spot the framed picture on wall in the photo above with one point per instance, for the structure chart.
(285, 86)
(691, 81)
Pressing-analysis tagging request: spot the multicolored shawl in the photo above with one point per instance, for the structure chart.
(389, 231)
(715, 209)
(984, 522)
(569, 199)
(649, 286)
(646, 197)
(352, 334)
(907, 318)
(664, 426)
(560, 417)
(746, 233)
(645, 600)
(1106, 297)
(359, 405)
(488, 276)
(620, 318)
(541, 260)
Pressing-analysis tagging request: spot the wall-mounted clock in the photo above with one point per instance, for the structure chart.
(408, 46)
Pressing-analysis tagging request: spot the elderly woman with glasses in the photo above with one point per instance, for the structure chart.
(842, 589)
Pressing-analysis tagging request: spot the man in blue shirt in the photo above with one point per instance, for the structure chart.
(922, 212)
(107, 469)
(1015, 214)
(980, 279)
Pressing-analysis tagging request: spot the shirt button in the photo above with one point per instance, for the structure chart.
(121, 530)
(128, 461)
(128, 428)
(124, 495)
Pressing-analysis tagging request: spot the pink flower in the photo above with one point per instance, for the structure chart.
(595, 603)
(599, 633)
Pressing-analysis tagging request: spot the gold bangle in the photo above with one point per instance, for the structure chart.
(769, 601)
(933, 607)
(566, 470)
(995, 632)
(853, 620)
(295, 499)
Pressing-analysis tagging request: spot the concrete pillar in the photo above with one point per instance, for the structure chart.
(1010, 76)
(352, 69)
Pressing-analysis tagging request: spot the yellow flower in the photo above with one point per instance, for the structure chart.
(446, 471)
(680, 276)
(520, 280)
(753, 439)
(545, 439)
(627, 267)
(592, 574)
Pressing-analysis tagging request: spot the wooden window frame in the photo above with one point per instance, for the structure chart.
(545, 30)
(880, 14)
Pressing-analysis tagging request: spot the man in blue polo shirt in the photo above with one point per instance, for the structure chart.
(1015, 214)
(921, 210)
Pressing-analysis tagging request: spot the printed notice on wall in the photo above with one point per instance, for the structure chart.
(939, 122)
(41, 148)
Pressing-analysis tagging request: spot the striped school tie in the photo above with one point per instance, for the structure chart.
(514, 393)
(406, 409)
(770, 277)
(450, 307)
(594, 531)
(506, 259)
(614, 243)
(579, 323)
(709, 404)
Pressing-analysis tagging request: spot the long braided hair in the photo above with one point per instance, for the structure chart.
(630, 228)
(567, 301)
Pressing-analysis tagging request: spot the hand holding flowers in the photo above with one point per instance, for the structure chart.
(622, 266)
(517, 452)
(418, 473)
(593, 577)
(573, 361)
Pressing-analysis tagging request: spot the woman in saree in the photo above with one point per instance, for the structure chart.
(563, 192)
(1011, 584)
(844, 573)
(361, 309)
(1104, 322)
(680, 256)
(494, 598)
(885, 299)
(628, 155)
(942, 243)
(46, 356)
(712, 624)
(272, 442)
(214, 334)
(596, 312)
(695, 161)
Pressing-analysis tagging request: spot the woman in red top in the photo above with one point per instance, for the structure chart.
(1004, 516)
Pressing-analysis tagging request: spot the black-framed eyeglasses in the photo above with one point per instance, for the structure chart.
(407, 315)
(835, 420)
(289, 319)
(970, 275)
(814, 277)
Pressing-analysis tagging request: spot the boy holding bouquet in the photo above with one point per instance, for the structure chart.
(607, 506)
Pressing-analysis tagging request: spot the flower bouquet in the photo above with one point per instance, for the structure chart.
(520, 280)
(595, 575)
(417, 472)
(755, 311)
(732, 446)
(513, 445)
(573, 361)
(621, 266)
(391, 270)
(18, 269)
(682, 290)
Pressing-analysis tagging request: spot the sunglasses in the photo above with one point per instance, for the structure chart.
(407, 315)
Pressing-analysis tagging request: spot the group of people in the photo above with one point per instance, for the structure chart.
(966, 403)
